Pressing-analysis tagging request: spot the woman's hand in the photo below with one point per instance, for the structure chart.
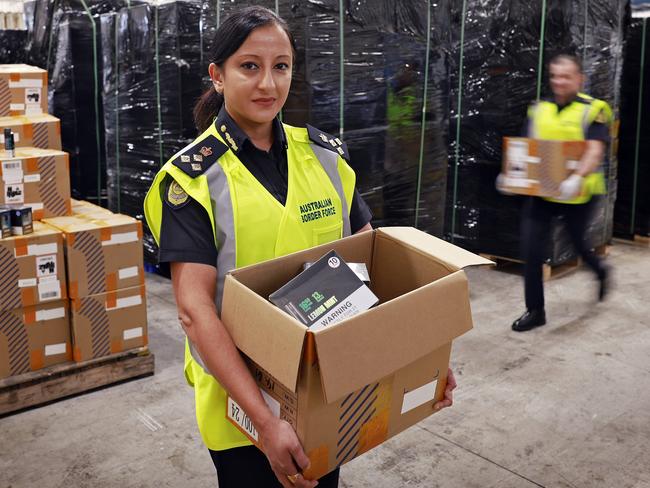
(448, 401)
(282, 448)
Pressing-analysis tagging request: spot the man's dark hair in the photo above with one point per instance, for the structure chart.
(558, 58)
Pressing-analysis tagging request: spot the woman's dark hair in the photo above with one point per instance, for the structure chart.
(230, 35)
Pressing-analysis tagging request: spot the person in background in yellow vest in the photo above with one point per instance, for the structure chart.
(568, 115)
(240, 194)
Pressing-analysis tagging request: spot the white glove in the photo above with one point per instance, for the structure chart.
(571, 187)
(501, 184)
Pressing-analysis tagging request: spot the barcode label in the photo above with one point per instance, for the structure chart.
(12, 172)
(49, 290)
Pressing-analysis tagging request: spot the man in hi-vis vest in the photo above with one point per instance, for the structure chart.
(566, 116)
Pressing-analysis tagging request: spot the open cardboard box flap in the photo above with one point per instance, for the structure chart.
(382, 340)
(280, 351)
(453, 256)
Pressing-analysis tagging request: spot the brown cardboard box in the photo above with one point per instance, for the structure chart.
(108, 323)
(32, 338)
(349, 387)
(37, 178)
(33, 269)
(538, 167)
(82, 207)
(23, 90)
(42, 131)
(103, 252)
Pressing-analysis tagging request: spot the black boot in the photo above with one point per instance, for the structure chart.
(604, 284)
(529, 320)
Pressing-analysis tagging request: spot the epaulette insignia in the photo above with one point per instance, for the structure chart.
(328, 141)
(197, 158)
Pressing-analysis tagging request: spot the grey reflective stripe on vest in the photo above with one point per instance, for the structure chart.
(585, 120)
(532, 125)
(329, 160)
(225, 224)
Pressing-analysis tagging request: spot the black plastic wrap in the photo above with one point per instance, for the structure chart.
(500, 70)
(632, 212)
(64, 39)
(147, 98)
(12, 46)
(383, 79)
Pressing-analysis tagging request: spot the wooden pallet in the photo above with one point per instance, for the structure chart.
(549, 272)
(68, 379)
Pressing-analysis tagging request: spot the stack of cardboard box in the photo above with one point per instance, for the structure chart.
(34, 312)
(105, 269)
(72, 283)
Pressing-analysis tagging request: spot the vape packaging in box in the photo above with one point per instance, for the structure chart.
(23, 90)
(21, 221)
(5, 222)
(33, 269)
(36, 178)
(108, 323)
(103, 252)
(34, 337)
(326, 292)
(42, 131)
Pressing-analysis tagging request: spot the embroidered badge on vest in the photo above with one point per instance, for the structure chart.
(198, 157)
(328, 141)
(176, 196)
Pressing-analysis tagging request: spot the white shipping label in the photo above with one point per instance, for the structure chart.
(16, 136)
(41, 249)
(54, 313)
(35, 206)
(121, 238)
(236, 414)
(16, 106)
(46, 265)
(132, 333)
(518, 182)
(419, 396)
(26, 83)
(572, 164)
(26, 283)
(49, 290)
(33, 110)
(14, 193)
(54, 349)
(126, 302)
(32, 96)
(127, 272)
(32, 178)
(518, 150)
(12, 171)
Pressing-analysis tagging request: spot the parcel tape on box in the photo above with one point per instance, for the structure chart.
(34, 337)
(23, 90)
(104, 252)
(36, 178)
(108, 323)
(33, 269)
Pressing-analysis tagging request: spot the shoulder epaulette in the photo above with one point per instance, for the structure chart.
(328, 141)
(195, 159)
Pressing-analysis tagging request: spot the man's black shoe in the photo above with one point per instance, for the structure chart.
(529, 320)
(604, 285)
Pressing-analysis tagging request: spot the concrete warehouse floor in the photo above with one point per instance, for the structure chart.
(566, 405)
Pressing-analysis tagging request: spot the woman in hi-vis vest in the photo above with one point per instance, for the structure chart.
(237, 196)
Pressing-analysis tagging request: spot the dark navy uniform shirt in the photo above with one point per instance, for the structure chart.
(186, 233)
